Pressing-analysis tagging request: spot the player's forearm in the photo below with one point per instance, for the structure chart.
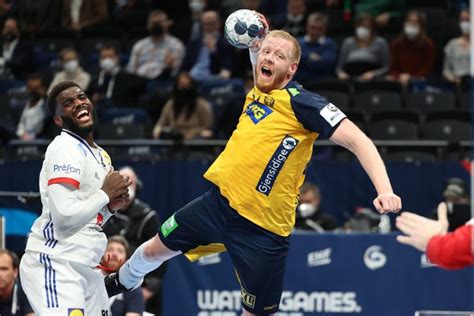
(68, 212)
(372, 163)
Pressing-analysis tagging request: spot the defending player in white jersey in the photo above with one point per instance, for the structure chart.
(79, 192)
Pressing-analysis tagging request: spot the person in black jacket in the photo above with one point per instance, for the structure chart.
(16, 55)
(209, 56)
(138, 222)
(112, 85)
(308, 213)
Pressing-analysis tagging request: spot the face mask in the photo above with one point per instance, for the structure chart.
(156, 30)
(185, 95)
(196, 6)
(131, 193)
(465, 27)
(34, 96)
(107, 64)
(71, 66)
(295, 19)
(362, 32)
(9, 37)
(305, 210)
(411, 31)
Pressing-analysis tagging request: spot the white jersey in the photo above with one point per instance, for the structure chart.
(69, 227)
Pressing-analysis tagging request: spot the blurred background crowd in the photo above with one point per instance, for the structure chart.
(163, 69)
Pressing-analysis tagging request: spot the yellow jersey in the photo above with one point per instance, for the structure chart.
(263, 164)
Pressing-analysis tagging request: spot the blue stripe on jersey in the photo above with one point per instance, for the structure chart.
(54, 282)
(48, 233)
(46, 286)
(49, 281)
(275, 164)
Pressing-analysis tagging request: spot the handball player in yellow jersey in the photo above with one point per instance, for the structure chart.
(250, 210)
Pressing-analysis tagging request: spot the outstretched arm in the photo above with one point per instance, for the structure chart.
(351, 137)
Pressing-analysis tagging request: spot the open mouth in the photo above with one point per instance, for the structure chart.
(266, 72)
(82, 115)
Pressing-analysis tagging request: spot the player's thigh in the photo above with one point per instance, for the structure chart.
(259, 258)
(197, 223)
(96, 298)
(51, 286)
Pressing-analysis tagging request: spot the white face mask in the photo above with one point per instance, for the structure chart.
(196, 6)
(107, 64)
(411, 31)
(306, 210)
(131, 193)
(362, 32)
(465, 27)
(71, 66)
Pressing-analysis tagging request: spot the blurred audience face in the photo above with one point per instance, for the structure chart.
(210, 22)
(296, 8)
(8, 273)
(310, 197)
(315, 28)
(197, 6)
(35, 88)
(465, 22)
(158, 23)
(70, 61)
(412, 26)
(109, 59)
(10, 30)
(132, 189)
(115, 255)
(251, 4)
(184, 81)
(364, 28)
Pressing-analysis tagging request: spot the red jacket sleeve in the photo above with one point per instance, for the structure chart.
(453, 250)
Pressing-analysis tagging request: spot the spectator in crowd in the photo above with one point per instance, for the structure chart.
(457, 53)
(16, 56)
(5, 10)
(35, 111)
(364, 56)
(130, 303)
(36, 16)
(295, 20)
(188, 28)
(209, 56)
(413, 52)
(453, 250)
(185, 115)
(112, 86)
(318, 52)
(159, 55)
(384, 11)
(78, 15)
(308, 212)
(458, 202)
(137, 222)
(13, 300)
(72, 70)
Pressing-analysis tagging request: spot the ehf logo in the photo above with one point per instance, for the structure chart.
(257, 111)
(374, 258)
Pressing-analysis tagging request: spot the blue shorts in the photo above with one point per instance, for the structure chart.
(258, 255)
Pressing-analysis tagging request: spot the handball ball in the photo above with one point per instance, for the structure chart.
(243, 28)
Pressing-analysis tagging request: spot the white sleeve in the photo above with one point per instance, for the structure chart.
(68, 212)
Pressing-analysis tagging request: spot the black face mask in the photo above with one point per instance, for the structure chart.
(185, 96)
(156, 30)
(34, 96)
(9, 37)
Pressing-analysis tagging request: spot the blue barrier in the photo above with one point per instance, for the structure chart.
(329, 274)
